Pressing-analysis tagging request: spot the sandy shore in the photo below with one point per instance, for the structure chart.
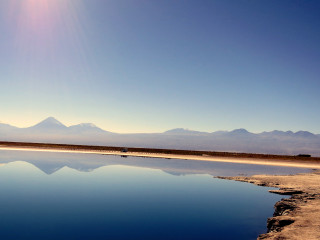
(297, 217)
(257, 161)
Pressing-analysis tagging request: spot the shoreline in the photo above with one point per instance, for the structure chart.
(256, 161)
(296, 217)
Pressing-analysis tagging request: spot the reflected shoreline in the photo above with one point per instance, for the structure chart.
(50, 162)
(300, 163)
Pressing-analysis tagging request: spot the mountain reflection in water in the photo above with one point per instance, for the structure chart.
(87, 196)
(50, 162)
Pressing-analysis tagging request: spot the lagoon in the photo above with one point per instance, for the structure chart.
(83, 196)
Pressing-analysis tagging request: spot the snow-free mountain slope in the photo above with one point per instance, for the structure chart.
(4, 126)
(183, 131)
(49, 124)
(86, 128)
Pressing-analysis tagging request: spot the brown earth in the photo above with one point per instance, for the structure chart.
(297, 217)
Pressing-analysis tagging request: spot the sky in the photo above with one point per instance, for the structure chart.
(149, 66)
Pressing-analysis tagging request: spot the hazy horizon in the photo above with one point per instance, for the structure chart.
(167, 130)
(239, 140)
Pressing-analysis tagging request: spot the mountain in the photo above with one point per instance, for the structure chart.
(6, 130)
(49, 124)
(86, 128)
(239, 140)
(239, 132)
(183, 131)
(6, 127)
(277, 133)
(305, 134)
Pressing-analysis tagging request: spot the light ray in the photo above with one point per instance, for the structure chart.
(47, 33)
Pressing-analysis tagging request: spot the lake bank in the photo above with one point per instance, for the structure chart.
(298, 216)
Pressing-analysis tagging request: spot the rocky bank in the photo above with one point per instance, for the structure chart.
(297, 217)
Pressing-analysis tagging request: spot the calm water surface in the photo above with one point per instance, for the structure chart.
(79, 196)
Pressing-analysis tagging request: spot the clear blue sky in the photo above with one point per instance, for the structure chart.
(149, 65)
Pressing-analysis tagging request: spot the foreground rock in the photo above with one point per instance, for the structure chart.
(297, 217)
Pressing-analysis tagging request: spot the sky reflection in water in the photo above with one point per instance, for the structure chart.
(118, 201)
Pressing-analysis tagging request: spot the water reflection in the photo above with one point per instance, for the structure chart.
(79, 196)
(53, 162)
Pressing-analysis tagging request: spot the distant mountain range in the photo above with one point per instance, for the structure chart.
(239, 140)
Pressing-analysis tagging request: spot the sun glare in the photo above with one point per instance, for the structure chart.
(40, 23)
(40, 15)
(42, 32)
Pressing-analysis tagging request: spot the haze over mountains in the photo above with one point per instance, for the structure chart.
(240, 140)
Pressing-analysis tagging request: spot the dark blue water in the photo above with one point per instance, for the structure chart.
(123, 202)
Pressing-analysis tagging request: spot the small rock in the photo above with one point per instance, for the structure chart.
(283, 207)
(286, 191)
(276, 224)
